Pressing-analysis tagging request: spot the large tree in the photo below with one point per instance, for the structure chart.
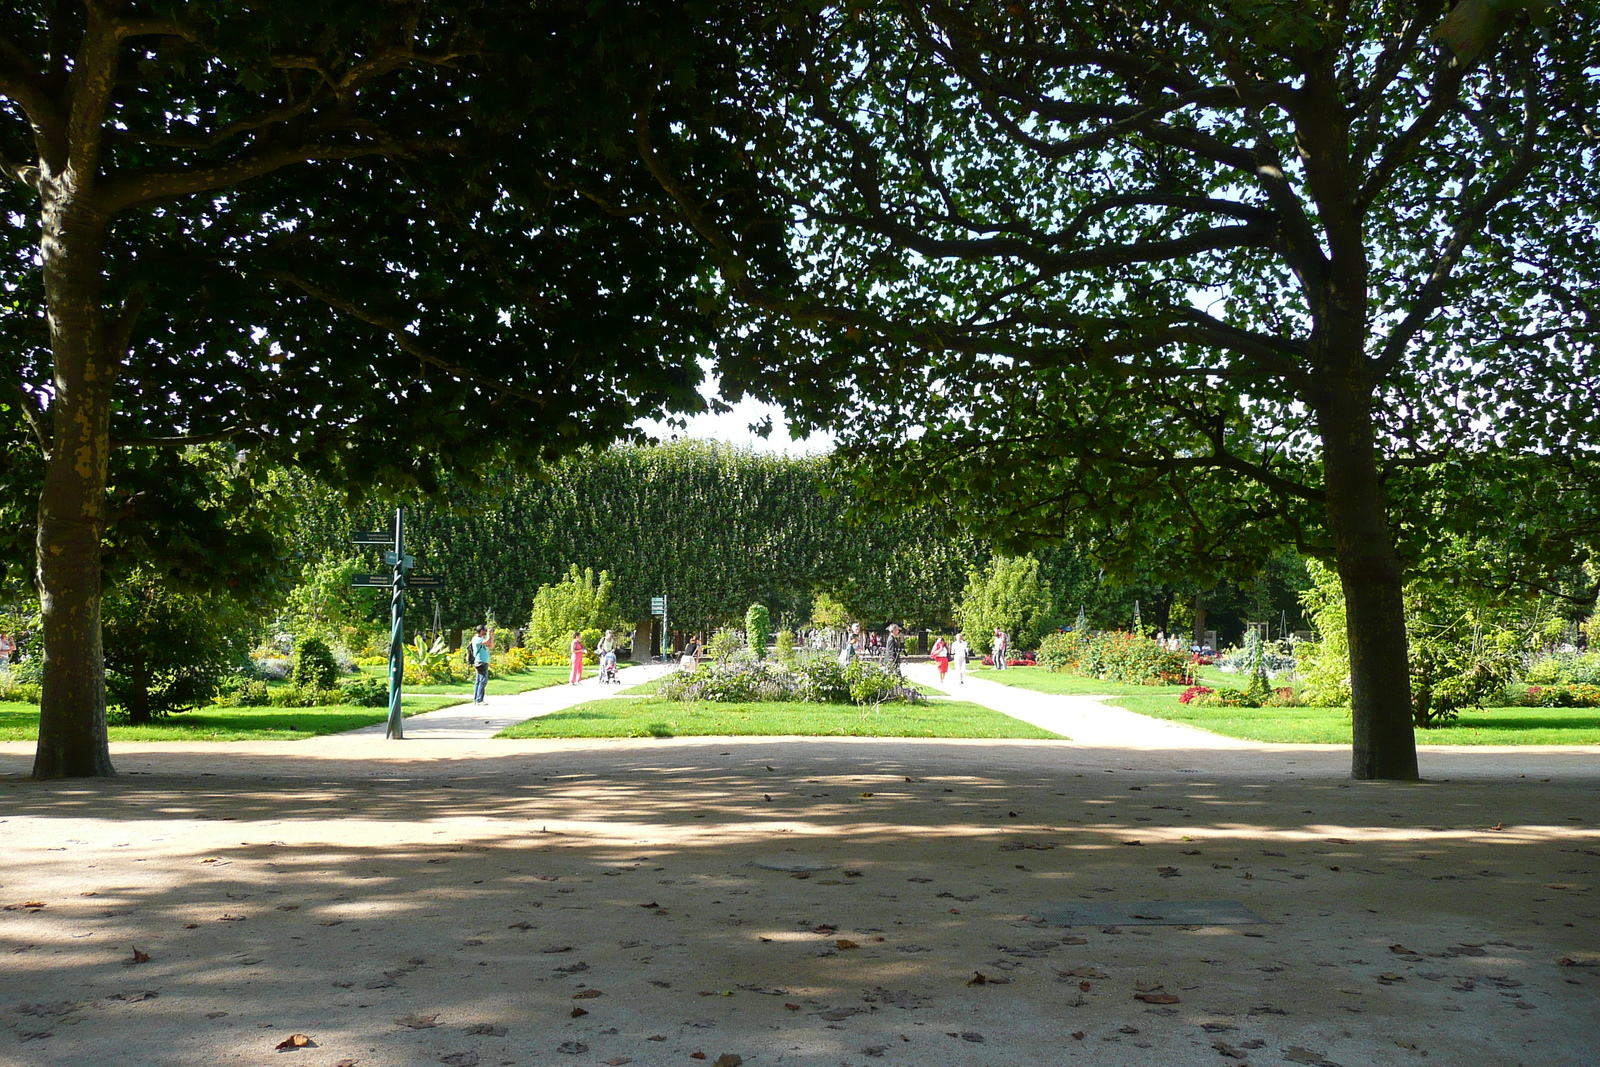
(347, 236)
(1213, 276)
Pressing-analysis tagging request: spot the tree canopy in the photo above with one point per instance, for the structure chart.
(346, 237)
(1197, 279)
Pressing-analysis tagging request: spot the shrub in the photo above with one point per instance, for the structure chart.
(580, 601)
(314, 665)
(237, 691)
(296, 696)
(723, 644)
(365, 692)
(1008, 595)
(818, 680)
(13, 688)
(545, 657)
(783, 646)
(758, 629)
(1194, 693)
(1578, 695)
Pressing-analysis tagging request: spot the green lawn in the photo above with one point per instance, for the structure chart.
(1491, 726)
(20, 722)
(528, 680)
(654, 716)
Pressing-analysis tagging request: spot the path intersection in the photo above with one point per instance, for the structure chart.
(453, 899)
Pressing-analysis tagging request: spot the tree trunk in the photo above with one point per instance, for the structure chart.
(1383, 745)
(72, 712)
(138, 698)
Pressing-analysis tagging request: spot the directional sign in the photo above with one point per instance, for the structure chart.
(371, 581)
(425, 581)
(658, 605)
(372, 537)
(391, 559)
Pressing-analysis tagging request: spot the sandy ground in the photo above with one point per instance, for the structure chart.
(467, 901)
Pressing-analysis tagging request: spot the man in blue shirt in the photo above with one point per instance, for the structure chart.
(481, 644)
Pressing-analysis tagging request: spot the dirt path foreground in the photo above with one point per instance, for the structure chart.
(812, 902)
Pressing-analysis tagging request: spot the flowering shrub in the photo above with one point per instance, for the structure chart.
(1578, 695)
(817, 680)
(1238, 698)
(1115, 656)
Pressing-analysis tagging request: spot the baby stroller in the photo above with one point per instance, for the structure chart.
(608, 669)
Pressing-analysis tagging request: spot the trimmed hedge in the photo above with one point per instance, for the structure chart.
(1115, 656)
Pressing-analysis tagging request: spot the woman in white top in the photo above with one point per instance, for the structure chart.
(958, 657)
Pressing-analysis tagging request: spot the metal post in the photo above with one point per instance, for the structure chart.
(397, 622)
(666, 631)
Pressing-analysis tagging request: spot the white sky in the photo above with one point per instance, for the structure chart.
(734, 428)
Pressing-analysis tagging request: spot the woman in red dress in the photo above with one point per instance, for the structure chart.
(577, 658)
(941, 657)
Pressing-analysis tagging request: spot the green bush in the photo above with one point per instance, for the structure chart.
(818, 680)
(13, 688)
(314, 665)
(723, 644)
(580, 601)
(237, 691)
(295, 696)
(365, 692)
(758, 629)
(1008, 595)
(1115, 656)
(783, 646)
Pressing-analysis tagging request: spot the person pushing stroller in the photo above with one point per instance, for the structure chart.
(607, 651)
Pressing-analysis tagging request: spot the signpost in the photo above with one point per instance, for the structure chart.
(397, 580)
(658, 608)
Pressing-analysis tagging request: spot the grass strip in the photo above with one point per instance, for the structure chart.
(654, 716)
(1331, 726)
(20, 722)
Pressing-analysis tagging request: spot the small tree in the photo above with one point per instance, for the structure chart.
(580, 601)
(758, 629)
(1009, 595)
(314, 665)
(828, 612)
(166, 651)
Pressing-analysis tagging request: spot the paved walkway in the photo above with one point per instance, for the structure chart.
(468, 722)
(1084, 719)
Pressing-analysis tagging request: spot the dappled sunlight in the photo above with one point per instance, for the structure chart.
(506, 892)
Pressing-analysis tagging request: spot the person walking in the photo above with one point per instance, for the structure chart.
(959, 651)
(940, 654)
(577, 658)
(482, 643)
(852, 644)
(1000, 649)
(607, 651)
(894, 647)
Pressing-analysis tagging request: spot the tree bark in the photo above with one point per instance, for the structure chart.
(72, 712)
(1383, 745)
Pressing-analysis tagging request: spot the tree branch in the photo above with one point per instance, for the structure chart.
(180, 440)
(28, 405)
(407, 341)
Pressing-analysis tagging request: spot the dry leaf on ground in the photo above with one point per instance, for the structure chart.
(294, 1041)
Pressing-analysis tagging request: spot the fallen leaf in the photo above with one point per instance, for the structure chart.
(1156, 998)
(865, 795)
(846, 943)
(978, 978)
(1168, 872)
(347, 1063)
(191, 926)
(618, 1061)
(135, 997)
(294, 1041)
(578, 1013)
(1401, 950)
(418, 1022)
(1133, 842)
(697, 1055)
(1078, 1035)
(137, 957)
(572, 1048)
(1498, 826)
(1228, 1050)
(1083, 987)
(728, 1059)
(587, 994)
